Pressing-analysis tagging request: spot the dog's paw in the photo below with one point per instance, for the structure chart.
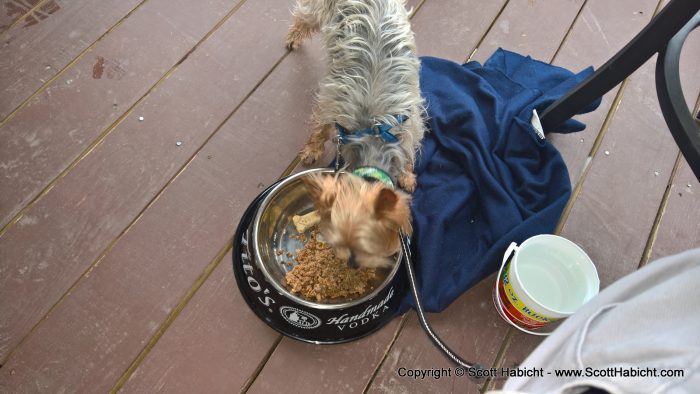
(294, 38)
(291, 45)
(407, 181)
(309, 155)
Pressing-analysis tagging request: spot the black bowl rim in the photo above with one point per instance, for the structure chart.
(258, 312)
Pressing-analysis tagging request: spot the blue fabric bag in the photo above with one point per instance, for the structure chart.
(485, 178)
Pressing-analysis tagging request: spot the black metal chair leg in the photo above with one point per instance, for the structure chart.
(652, 39)
(680, 121)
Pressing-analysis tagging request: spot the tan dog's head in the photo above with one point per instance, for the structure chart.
(361, 220)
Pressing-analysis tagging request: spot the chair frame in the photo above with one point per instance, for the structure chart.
(665, 35)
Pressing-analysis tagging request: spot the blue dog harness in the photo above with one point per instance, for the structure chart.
(380, 130)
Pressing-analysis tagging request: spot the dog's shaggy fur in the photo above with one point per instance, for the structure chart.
(372, 79)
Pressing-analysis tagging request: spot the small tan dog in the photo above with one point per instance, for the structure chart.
(371, 98)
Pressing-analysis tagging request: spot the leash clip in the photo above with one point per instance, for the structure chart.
(337, 152)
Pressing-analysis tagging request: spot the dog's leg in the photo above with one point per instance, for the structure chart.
(305, 23)
(410, 143)
(407, 179)
(313, 149)
(299, 31)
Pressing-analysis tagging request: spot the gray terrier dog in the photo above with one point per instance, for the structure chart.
(371, 98)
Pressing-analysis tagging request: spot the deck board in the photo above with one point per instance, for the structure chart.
(679, 229)
(212, 347)
(61, 124)
(515, 31)
(460, 27)
(32, 54)
(78, 221)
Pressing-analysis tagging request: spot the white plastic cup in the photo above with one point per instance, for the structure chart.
(548, 278)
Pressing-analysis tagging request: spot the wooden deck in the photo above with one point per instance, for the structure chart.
(135, 132)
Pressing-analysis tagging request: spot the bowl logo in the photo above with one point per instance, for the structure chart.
(299, 318)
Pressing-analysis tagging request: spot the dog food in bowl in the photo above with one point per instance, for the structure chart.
(320, 275)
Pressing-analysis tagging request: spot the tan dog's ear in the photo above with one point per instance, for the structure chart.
(321, 188)
(395, 207)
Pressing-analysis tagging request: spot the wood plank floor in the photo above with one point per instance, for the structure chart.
(136, 132)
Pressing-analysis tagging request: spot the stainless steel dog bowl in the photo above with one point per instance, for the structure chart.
(267, 227)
